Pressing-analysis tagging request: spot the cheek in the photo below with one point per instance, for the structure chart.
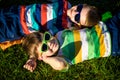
(39, 54)
(70, 15)
(83, 20)
(47, 53)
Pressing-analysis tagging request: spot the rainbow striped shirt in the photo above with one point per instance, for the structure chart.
(48, 17)
(84, 44)
(18, 21)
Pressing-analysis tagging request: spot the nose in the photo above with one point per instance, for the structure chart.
(74, 12)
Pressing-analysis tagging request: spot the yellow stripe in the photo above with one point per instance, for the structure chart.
(78, 50)
(101, 41)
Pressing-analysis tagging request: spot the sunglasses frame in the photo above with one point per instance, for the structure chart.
(79, 9)
(45, 41)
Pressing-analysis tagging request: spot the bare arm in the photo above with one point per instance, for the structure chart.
(57, 63)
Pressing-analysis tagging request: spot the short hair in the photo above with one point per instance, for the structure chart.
(30, 42)
(93, 16)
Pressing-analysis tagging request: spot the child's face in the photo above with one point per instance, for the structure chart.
(48, 48)
(78, 14)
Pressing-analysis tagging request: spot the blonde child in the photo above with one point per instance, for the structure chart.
(43, 47)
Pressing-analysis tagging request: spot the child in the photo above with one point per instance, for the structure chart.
(74, 46)
(43, 47)
(18, 21)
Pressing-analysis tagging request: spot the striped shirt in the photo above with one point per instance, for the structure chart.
(17, 21)
(84, 44)
(51, 17)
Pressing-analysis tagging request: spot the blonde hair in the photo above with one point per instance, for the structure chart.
(30, 42)
(93, 16)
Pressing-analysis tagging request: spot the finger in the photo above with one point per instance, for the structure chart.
(31, 70)
(28, 67)
(25, 66)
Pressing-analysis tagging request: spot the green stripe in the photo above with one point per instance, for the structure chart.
(34, 24)
(93, 44)
(68, 47)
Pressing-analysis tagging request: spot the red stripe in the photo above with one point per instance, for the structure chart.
(44, 16)
(23, 21)
(64, 16)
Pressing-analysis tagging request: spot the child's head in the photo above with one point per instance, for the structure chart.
(84, 15)
(38, 44)
(30, 42)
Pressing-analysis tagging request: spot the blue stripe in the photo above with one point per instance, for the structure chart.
(38, 15)
(51, 23)
(59, 15)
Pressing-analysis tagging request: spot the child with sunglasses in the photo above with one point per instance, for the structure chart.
(70, 47)
(18, 21)
(43, 47)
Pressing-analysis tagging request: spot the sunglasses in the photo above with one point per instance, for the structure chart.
(46, 38)
(77, 16)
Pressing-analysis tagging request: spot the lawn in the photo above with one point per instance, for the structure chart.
(13, 58)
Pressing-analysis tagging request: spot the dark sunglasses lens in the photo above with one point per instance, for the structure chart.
(77, 17)
(44, 47)
(47, 36)
(79, 8)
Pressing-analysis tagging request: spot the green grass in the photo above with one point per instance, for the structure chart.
(13, 58)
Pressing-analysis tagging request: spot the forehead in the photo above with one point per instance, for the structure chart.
(83, 15)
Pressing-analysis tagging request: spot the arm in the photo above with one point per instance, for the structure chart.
(57, 63)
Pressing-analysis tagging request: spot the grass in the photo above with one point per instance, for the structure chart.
(13, 58)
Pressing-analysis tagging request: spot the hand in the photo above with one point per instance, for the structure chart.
(30, 64)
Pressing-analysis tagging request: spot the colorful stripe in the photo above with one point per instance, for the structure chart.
(44, 16)
(107, 39)
(64, 16)
(93, 50)
(59, 15)
(55, 12)
(67, 50)
(84, 44)
(78, 50)
(52, 15)
(34, 23)
(37, 14)
(101, 37)
(28, 16)
(23, 21)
